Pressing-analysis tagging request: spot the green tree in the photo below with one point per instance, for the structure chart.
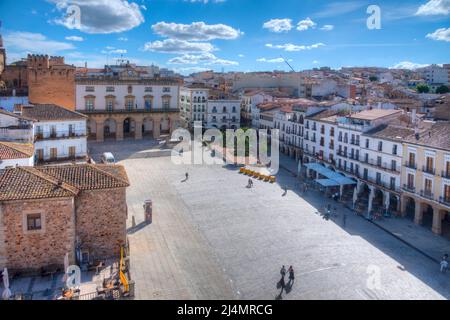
(373, 78)
(442, 90)
(422, 88)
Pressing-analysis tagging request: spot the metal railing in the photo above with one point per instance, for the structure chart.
(411, 165)
(444, 201)
(445, 174)
(429, 170)
(39, 136)
(409, 188)
(427, 194)
(133, 110)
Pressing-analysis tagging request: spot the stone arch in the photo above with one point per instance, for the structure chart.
(129, 127)
(91, 127)
(109, 128)
(147, 126)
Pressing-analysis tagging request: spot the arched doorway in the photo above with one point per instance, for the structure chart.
(362, 201)
(129, 127)
(410, 208)
(109, 129)
(91, 127)
(147, 127)
(427, 215)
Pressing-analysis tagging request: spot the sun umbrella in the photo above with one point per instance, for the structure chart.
(6, 292)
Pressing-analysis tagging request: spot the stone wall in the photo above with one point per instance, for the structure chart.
(101, 221)
(31, 250)
(52, 86)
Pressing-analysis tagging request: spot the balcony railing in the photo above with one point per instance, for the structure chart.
(429, 170)
(445, 174)
(409, 188)
(427, 194)
(445, 201)
(134, 110)
(411, 165)
(58, 135)
(354, 142)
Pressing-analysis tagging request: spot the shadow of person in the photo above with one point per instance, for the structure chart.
(280, 296)
(184, 180)
(288, 287)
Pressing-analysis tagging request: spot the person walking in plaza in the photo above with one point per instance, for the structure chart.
(291, 275)
(187, 176)
(283, 271)
(444, 263)
(250, 183)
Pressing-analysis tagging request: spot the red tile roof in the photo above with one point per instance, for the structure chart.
(25, 183)
(11, 150)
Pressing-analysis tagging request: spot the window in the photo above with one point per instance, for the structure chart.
(379, 161)
(34, 222)
(412, 159)
(53, 153)
(150, 89)
(430, 166)
(447, 193)
(366, 173)
(393, 165)
(129, 104)
(109, 105)
(392, 184)
(110, 89)
(90, 89)
(148, 102)
(367, 143)
(394, 149)
(410, 181)
(166, 89)
(72, 152)
(428, 186)
(380, 145)
(378, 178)
(332, 132)
(130, 89)
(166, 102)
(89, 104)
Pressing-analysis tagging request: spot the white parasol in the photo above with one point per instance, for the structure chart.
(6, 292)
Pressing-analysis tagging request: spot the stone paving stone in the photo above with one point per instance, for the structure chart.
(212, 238)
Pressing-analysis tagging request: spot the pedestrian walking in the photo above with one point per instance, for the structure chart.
(250, 183)
(344, 219)
(187, 175)
(283, 271)
(291, 274)
(444, 263)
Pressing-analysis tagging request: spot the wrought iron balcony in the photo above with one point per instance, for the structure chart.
(411, 165)
(427, 194)
(429, 170)
(409, 188)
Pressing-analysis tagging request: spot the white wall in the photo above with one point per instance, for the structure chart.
(26, 162)
(121, 91)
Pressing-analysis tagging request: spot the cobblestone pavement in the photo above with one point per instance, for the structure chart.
(212, 238)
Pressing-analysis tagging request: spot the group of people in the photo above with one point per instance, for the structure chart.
(283, 274)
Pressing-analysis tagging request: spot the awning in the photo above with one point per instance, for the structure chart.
(333, 178)
(327, 182)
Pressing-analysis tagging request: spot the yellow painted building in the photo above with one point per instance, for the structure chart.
(426, 178)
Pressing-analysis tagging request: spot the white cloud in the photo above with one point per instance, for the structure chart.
(189, 70)
(327, 27)
(75, 38)
(34, 43)
(205, 58)
(178, 46)
(278, 25)
(241, 55)
(122, 39)
(408, 65)
(275, 60)
(306, 24)
(112, 50)
(99, 16)
(315, 62)
(292, 47)
(441, 34)
(198, 31)
(434, 7)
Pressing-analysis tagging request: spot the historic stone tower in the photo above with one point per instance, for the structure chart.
(51, 81)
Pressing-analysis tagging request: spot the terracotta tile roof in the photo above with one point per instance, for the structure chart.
(44, 112)
(11, 150)
(374, 114)
(25, 183)
(89, 177)
(437, 136)
(391, 132)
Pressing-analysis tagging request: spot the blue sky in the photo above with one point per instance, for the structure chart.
(245, 35)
